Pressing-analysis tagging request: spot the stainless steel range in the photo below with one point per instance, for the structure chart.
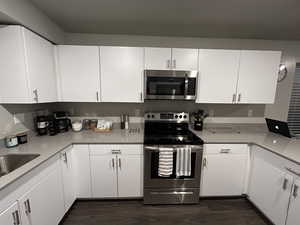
(172, 160)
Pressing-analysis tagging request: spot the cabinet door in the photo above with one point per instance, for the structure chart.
(121, 74)
(44, 203)
(294, 208)
(11, 216)
(184, 59)
(158, 58)
(217, 69)
(223, 174)
(269, 188)
(78, 69)
(68, 178)
(258, 75)
(14, 87)
(82, 171)
(41, 68)
(130, 175)
(104, 176)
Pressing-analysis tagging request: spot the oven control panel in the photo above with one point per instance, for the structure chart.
(167, 116)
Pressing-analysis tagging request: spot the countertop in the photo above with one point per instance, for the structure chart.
(49, 146)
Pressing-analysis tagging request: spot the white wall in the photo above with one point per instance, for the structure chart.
(25, 13)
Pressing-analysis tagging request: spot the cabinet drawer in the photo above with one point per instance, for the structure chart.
(225, 148)
(126, 149)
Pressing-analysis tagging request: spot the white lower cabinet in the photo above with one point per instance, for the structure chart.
(224, 170)
(44, 203)
(104, 176)
(130, 175)
(272, 187)
(11, 216)
(294, 209)
(82, 171)
(116, 171)
(67, 177)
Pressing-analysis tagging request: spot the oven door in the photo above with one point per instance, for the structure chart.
(169, 84)
(153, 180)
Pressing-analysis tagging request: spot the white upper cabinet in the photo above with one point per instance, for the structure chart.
(218, 75)
(121, 74)
(158, 58)
(41, 67)
(184, 59)
(78, 73)
(27, 67)
(171, 59)
(258, 75)
(233, 76)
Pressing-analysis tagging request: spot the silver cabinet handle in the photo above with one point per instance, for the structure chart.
(113, 163)
(239, 97)
(27, 207)
(233, 98)
(204, 162)
(285, 183)
(174, 63)
(65, 157)
(295, 191)
(120, 165)
(97, 96)
(225, 150)
(36, 95)
(16, 217)
(141, 96)
(169, 64)
(292, 171)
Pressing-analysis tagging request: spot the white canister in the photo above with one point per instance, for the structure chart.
(11, 141)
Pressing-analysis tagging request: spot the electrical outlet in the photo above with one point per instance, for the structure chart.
(16, 120)
(137, 112)
(250, 113)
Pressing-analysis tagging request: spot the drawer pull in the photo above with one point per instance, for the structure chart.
(116, 152)
(295, 191)
(225, 150)
(285, 183)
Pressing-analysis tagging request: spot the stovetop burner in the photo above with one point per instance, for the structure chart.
(169, 129)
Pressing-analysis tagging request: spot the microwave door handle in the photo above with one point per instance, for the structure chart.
(186, 86)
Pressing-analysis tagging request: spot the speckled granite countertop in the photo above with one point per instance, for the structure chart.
(48, 146)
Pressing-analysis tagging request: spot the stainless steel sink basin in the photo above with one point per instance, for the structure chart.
(10, 162)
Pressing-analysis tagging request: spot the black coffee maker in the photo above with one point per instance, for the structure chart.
(62, 122)
(199, 117)
(42, 124)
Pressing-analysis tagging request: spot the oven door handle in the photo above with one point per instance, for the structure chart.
(151, 148)
(172, 193)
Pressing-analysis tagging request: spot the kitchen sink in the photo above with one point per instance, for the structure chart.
(10, 162)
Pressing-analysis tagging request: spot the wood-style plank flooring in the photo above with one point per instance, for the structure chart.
(208, 212)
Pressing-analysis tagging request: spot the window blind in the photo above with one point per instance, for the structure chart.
(294, 108)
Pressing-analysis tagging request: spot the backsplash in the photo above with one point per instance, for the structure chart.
(136, 109)
(26, 113)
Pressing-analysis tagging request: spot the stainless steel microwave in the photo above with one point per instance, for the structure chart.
(170, 84)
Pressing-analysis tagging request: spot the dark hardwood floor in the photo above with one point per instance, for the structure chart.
(208, 212)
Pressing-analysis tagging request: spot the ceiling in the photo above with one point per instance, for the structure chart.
(262, 19)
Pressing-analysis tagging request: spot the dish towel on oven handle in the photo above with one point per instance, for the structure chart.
(165, 164)
(183, 162)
